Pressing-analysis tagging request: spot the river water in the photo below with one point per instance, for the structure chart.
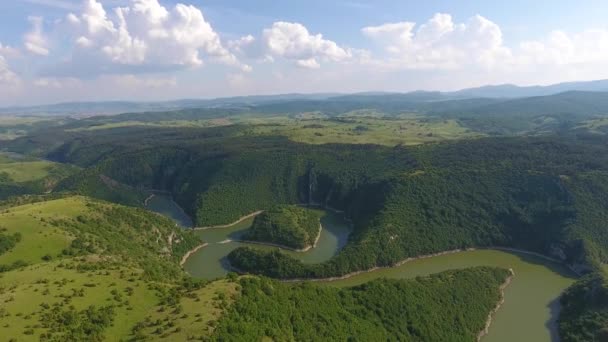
(210, 262)
(531, 301)
(166, 206)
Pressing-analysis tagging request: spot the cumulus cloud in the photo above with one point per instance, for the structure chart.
(440, 43)
(35, 41)
(143, 36)
(8, 51)
(292, 42)
(7, 76)
(310, 63)
(562, 48)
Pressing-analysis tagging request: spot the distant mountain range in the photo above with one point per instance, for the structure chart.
(487, 95)
(512, 91)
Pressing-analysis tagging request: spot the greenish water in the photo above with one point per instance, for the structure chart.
(531, 301)
(210, 262)
(164, 205)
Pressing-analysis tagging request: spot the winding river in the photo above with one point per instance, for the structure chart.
(531, 304)
(210, 261)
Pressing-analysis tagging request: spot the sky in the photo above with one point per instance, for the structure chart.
(151, 50)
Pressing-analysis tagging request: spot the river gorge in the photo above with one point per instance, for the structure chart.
(531, 301)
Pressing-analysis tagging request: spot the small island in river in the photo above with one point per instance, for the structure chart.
(287, 226)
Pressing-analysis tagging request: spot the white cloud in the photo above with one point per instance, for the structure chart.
(7, 76)
(61, 4)
(35, 41)
(310, 63)
(562, 48)
(292, 41)
(143, 36)
(8, 51)
(242, 44)
(440, 43)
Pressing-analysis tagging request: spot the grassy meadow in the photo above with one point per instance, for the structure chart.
(59, 296)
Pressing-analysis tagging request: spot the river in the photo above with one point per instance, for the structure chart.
(210, 262)
(531, 300)
(166, 206)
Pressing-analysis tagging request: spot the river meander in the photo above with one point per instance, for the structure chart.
(531, 304)
(210, 262)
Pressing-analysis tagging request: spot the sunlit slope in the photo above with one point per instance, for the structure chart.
(76, 226)
(84, 270)
(21, 175)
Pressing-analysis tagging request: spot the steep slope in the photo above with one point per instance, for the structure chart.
(291, 226)
(84, 270)
(425, 309)
(584, 316)
(75, 226)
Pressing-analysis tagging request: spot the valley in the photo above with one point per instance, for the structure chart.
(531, 299)
(408, 193)
(303, 170)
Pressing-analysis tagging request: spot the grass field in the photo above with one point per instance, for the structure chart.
(198, 312)
(25, 296)
(365, 130)
(356, 127)
(595, 126)
(38, 237)
(56, 283)
(12, 127)
(25, 293)
(29, 169)
(170, 123)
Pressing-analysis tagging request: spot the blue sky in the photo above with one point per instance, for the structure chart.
(73, 50)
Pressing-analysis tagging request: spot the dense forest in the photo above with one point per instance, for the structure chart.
(109, 272)
(527, 192)
(584, 315)
(290, 226)
(535, 178)
(423, 309)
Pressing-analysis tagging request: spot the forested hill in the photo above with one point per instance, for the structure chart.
(449, 306)
(584, 315)
(290, 226)
(544, 193)
(537, 193)
(574, 103)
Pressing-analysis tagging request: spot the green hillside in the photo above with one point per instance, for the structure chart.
(424, 309)
(523, 173)
(84, 270)
(584, 315)
(25, 175)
